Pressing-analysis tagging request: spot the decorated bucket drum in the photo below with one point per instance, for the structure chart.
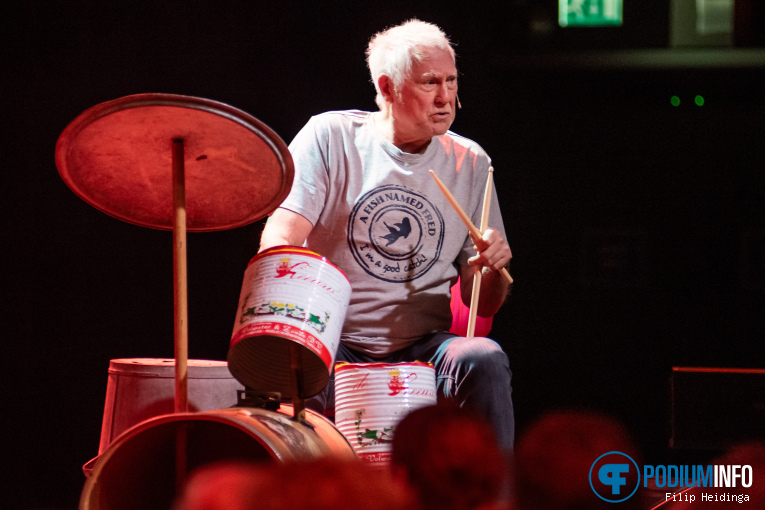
(372, 398)
(290, 296)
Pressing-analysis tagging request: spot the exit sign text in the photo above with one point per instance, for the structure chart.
(589, 13)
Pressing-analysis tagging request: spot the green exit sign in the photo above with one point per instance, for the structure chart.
(589, 13)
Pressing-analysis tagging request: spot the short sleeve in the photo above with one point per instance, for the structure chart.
(309, 153)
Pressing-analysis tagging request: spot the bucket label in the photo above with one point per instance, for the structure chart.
(376, 458)
(396, 383)
(287, 310)
(286, 331)
(369, 437)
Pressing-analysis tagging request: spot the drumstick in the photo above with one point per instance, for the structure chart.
(487, 201)
(474, 232)
(477, 277)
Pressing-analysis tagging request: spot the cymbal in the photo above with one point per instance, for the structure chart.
(117, 156)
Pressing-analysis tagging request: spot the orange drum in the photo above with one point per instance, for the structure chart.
(139, 470)
(290, 296)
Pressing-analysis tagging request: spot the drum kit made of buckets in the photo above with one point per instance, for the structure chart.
(183, 163)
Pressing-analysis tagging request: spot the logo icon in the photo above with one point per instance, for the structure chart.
(614, 477)
(397, 384)
(285, 269)
(397, 231)
(395, 234)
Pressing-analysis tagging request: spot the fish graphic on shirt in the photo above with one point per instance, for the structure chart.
(397, 231)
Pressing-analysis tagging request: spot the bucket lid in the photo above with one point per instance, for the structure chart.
(165, 367)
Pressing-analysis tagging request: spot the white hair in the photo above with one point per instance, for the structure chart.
(392, 52)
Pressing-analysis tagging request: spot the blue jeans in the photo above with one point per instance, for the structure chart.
(475, 372)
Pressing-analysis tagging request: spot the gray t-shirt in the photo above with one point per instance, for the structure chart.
(379, 216)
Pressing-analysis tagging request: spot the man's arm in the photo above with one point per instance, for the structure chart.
(493, 254)
(284, 227)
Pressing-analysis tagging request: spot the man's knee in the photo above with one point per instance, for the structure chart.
(477, 351)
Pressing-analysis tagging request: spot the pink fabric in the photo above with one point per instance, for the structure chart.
(461, 314)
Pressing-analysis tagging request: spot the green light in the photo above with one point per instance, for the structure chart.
(675, 101)
(589, 13)
(699, 100)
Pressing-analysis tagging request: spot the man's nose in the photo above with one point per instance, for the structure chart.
(445, 95)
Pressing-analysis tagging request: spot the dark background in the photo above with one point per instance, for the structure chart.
(638, 228)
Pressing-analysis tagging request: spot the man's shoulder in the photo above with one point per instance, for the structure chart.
(450, 138)
(332, 128)
(341, 117)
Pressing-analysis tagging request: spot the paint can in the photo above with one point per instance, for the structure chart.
(372, 398)
(290, 296)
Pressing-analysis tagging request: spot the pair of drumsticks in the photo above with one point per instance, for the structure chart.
(476, 235)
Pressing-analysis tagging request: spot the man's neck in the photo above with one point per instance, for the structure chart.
(385, 125)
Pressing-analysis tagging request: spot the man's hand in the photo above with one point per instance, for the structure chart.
(493, 251)
(493, 254)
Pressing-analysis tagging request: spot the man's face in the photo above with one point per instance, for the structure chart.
(425, 106)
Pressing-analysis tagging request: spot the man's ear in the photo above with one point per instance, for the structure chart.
(386, 88)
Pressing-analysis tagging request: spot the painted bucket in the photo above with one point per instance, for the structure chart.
(141, 388)
(139, 469)
(372, 398)
(289, 296)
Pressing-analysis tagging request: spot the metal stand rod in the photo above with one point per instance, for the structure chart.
(296, 369)
(180, 280)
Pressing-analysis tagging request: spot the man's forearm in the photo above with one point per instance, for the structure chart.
(284, 227)
(493, 291)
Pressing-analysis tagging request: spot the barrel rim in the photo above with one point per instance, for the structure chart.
(227, 416)
(165, 368)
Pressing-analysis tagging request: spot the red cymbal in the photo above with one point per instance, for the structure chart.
(117, 156)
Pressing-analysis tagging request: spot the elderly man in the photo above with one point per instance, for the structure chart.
(363, 197)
